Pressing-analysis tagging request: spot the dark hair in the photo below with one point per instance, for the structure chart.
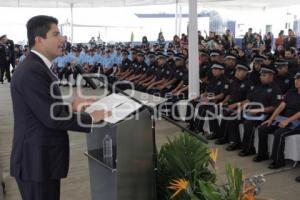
(39, 26)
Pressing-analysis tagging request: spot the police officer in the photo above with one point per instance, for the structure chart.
(204, 63)
(133, 66)
(263, 99)
(181, 90)
(140, 71)
(125, 65)
(284, 79)
(230, 63)
(4, 59)
(238, 91)
(161, 74)
(216, 91)
(254, 75)
(150, 72)
(289, 111)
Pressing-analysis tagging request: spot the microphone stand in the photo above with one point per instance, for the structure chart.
(151, 110)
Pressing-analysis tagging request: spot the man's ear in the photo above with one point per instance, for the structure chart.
(38, 40)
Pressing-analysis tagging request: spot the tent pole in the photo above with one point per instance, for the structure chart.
(194, 86)
(176, 19)
(72, 22)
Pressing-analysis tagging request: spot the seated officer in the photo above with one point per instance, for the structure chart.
(283, 79)
(230, 63)
(125, 65)
(181, 90)
(216, 91)
(165, 77)
(134, 64)
(254, 75)
(161, 61)
(285, 118)
(150, 73)
(140, 70)
(262, 100)
(238, 91)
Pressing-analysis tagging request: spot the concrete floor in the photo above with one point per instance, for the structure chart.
(279, 186)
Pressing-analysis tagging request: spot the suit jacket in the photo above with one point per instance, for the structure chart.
(41, 144)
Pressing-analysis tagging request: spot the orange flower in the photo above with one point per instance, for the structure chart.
(178, 185)
(214, 156)
(249, 196)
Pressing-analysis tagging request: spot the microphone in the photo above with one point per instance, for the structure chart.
(86, 78)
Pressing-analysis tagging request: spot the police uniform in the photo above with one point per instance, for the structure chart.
(292, 106)
(285, 82)
(216, 86)
(181, 76)
(265, 94)
(238, 92)
(254, 75)
(230, 70)
(4, 61)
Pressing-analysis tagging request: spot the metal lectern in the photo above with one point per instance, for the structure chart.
(132, 176)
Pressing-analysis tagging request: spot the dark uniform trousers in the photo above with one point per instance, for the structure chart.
(249, 133)
(225, 127)
(212, 113)
(5, 69)
(279, 143)
(280, 134)
(46, 190)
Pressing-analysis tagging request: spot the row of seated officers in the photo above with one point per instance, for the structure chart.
(266, 91)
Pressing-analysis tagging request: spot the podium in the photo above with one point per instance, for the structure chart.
(131, 177)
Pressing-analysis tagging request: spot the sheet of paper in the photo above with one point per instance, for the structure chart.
(122, 111)
(121, 106)
(107, 103)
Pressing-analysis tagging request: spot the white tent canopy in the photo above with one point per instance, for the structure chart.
(193, 35)
(261, 4)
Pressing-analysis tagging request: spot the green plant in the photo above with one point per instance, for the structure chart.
(183, 158)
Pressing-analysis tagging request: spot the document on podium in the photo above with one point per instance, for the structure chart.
(121, 107)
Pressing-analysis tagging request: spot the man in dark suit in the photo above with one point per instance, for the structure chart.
(40, 152)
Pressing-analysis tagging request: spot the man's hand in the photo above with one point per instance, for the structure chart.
(267, 123)
(80, 104)
(284, 123)
(99, 115)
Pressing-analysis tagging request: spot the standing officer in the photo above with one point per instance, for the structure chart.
(4, 59)
(40, 151)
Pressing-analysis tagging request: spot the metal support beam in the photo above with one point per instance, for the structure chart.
(176, 18)
(72, 22)
(194, 86)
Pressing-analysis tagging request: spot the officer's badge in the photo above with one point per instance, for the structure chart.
(252, 88)
(226, 86)
(287, 81)
(180, 73)
(168, 72)
(269, 90)
(219, 83)
(243, 85)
